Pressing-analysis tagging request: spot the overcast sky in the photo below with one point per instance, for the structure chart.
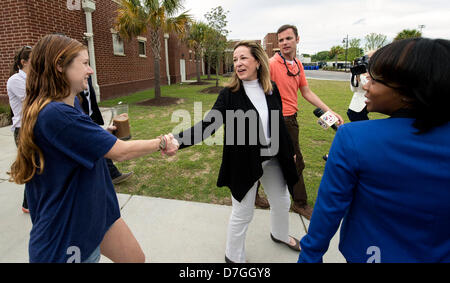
(324, 23)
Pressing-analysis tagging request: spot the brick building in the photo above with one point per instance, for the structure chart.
(270, 44)
(122, 67)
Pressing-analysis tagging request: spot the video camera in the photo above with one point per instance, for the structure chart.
(360, 66)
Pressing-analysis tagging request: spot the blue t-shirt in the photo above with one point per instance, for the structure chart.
(72, 203)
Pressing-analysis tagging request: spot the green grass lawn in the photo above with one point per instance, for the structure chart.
(192, 173)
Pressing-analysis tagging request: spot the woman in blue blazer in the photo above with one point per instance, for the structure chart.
(389, 179)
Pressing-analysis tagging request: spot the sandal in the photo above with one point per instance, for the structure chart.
(296, 247)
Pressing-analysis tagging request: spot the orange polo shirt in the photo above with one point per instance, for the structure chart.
(287, 85)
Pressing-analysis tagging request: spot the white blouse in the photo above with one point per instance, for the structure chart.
(256, 94)
(16, 87)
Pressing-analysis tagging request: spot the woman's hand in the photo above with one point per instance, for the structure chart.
(172, 145)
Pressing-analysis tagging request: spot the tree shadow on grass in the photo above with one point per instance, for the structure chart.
(161, 101)
(212, 90)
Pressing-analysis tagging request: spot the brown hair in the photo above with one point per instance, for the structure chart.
(44, 85)
(286, 27)
(263, 72)
(21, 54)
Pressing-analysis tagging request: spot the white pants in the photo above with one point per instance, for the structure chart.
(242, 212)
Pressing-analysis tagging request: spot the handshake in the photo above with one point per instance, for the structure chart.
(168, 145)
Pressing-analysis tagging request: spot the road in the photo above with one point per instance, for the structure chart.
(328, 75)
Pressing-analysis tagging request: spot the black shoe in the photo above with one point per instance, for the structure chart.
(325, 157)
(122, 178)
(227, 260)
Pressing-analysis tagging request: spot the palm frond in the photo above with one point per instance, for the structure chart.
(131, 19)
(178, 24)
(172, 7)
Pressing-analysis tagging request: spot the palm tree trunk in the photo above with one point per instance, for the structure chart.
(157, 78)
(217, 72)
(197, 66)
(156, 49)
(209, 68)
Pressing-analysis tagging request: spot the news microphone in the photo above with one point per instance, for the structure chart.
(326, 119)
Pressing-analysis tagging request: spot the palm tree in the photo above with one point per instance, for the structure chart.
(196, 38)
(408, 33)
(136, 17)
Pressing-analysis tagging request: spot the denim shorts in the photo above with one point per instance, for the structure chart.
(94, 257)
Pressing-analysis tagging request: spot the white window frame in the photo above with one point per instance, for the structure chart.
(142, 40)
(116, 39)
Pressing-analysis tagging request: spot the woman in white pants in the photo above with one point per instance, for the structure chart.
(242, 212)
(252, 152)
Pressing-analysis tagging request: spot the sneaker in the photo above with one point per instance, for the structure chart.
(325, 157)
(122, 178)
(261, 202)
(304, 210)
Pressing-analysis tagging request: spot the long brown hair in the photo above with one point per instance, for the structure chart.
(264, 71)
(45, 83)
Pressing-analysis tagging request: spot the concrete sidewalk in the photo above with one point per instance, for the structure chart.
(169, 231)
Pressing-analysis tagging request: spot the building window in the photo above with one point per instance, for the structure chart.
(118, 45)
(142, 46)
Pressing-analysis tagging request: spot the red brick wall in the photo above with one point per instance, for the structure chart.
(13, 35)
(24, 22)
(271, 43)
(177, 51)
(114, 72)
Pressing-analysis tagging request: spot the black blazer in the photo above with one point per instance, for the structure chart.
(96, 114)
(241, 164)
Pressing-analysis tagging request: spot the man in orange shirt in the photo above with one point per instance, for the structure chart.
(287, 72)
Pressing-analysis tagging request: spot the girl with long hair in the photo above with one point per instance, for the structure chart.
(61, 160)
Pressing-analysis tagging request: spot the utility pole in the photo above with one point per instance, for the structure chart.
(421, 27)
(345, 40)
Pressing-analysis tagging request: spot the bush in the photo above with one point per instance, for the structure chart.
(4, 109)
(5, 115)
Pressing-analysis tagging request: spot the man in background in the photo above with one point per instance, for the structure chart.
(287, 72)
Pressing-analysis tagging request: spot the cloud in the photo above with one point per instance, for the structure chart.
(359, 22)
(324, 23)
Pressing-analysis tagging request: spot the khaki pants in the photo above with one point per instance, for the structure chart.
(299, 197)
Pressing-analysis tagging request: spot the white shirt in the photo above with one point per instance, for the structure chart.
(16, 87)
(358, 100)
(256, 94)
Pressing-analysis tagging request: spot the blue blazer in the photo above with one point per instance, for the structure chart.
(391, 187)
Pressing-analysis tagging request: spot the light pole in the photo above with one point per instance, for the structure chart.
(421, 27)
(345, 40)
